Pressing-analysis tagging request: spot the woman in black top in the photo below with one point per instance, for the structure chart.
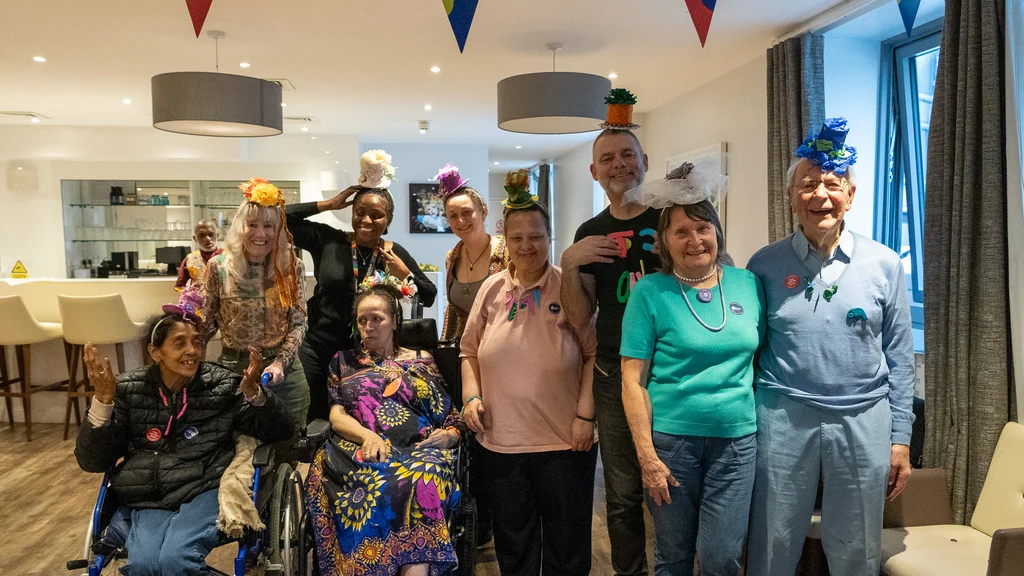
(340, 261)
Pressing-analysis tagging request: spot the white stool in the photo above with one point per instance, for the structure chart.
(21, 330)
(95, 319)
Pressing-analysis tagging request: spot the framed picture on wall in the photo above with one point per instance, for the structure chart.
(426, 211)
(711, 160)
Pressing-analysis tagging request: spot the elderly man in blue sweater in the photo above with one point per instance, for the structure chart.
(835, 381)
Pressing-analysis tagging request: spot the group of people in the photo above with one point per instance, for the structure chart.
(722, 395)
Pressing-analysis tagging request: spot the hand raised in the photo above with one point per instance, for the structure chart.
(101, 375)
(251, 374)
(590, 250)
(342, 199)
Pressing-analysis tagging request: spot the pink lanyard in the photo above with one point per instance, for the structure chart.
(184, 405)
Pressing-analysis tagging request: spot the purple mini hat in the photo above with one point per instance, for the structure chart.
(448, 181)
(189, 306)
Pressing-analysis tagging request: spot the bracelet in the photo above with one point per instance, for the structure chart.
(591, 420)
(470, 399)
(454, 429)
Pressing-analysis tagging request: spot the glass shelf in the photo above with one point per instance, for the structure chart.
(133, 240)
(129, 205)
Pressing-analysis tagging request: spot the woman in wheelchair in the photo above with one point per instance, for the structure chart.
(173, 424)
(379, 491)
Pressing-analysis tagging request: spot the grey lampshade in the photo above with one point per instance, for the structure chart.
(215, 104)
(552, 102)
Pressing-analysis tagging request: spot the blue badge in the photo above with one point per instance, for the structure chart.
(736, 308)
(191, 432)
(555, 307)
(857, 314)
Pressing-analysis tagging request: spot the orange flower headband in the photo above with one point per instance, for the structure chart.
(262, 193)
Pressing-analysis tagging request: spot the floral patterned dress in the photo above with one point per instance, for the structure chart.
(374, 517)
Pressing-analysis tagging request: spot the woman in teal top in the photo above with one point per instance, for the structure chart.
(689, 336)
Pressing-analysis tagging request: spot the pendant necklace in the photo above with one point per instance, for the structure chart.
(473, 261)
(721, 294)
(704, 295)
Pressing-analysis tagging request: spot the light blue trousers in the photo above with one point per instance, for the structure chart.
(796, 445)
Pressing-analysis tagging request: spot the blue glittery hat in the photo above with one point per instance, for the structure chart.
(828, 148)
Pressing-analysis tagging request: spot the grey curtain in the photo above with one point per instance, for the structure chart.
(796, 104)
(968, 394)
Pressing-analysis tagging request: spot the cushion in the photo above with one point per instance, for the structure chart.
(930, 550)
(1001, 503)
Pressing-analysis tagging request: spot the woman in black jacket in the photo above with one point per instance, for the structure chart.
(341, 260)
(173, 423)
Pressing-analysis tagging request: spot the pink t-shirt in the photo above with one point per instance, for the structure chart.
(533, 364)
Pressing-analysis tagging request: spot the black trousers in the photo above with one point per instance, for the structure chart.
(542, 506)
(315, 364)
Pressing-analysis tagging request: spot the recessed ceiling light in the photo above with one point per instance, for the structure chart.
(496, 163)
(337, 161)
(435, 69)
(312, 137)
(613, 76)
(126, 101)
(327, 151)
(243, 64)
(428, 107)
(422, 131)
(20, 168)
(39, 59)
(305, 128)
(283, 104)
(35, 120)
(518, 147)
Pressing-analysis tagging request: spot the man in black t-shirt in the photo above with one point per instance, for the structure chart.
(611, 252)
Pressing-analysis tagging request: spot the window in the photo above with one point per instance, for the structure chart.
(907, 87)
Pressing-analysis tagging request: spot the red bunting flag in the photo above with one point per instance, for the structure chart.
(701, 12)
(198, 9)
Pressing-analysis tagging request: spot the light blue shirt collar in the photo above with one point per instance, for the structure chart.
(842, 251)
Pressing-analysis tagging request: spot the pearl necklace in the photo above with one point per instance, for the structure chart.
(696, 280)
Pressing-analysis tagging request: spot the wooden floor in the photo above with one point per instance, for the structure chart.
(46, 500)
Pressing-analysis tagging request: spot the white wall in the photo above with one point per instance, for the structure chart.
(573, 195)
(851, 91)
(732, 109)
(33, 224)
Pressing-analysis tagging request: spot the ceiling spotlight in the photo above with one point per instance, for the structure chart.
(126, 101)
(424, 125)
(20, 168)
(283, 104)
(428, 107)
(496, 163)
(613, 76)
(305, 128)
(39, 59)
(337, 161)
(35, 120)
(435, 69)
(243, 64)
(312, 137)
(518, 147)
(327, 151)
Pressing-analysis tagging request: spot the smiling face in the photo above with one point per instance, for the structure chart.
(179, 353)
(464, 216)
(376, 324)
(369, 219)
(206, 236)
(691, 243)
(619, 162)
(820, 199)
(527, 238)
(259, 234)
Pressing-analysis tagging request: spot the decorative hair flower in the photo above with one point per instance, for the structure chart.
(682, 186)
(375, 169)
(189, 306)
(620, 110)
(448, 181)
(828, 148)
(261, 192)
(517, 186)
(406, 288)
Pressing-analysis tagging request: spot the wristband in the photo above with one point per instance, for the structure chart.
(465, 403)
(591, 420)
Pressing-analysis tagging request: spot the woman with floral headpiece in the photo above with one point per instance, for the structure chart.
(255, 294)
(379, 492)
(475, 257)
(172, 425)
(527, 375)
(341, 260)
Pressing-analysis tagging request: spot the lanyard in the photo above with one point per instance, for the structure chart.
(184, 405)
(355, 264)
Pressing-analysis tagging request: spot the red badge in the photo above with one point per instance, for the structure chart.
(792, 281)
(153, 434)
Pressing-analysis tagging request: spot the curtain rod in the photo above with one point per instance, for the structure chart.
(832, 18)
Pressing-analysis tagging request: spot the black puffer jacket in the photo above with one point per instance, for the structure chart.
(165, 471)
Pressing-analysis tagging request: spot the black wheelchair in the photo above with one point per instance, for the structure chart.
(285, 545)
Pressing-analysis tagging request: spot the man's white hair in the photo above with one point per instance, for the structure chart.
(791, 174)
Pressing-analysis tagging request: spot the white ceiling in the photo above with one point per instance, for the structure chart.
(363, 67)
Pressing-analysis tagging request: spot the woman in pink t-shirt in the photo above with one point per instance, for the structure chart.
(526, 382)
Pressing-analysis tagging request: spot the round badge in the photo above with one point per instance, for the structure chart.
(555, 307)
(792, 281)
(736, 308)
(153, 434)
(191, 432)
(704, 295)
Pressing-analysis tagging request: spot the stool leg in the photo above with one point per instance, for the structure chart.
(71, 351)
(24, 371)
(119, 348)
(4, 379)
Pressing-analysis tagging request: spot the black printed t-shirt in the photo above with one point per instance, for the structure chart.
(614, 282)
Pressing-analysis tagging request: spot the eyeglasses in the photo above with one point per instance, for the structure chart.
(811, 186)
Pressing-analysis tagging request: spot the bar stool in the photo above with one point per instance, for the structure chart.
(95, 319)
(21, 330)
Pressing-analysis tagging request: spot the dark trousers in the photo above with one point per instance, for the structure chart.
(315, 364)
(623, 482)
(542, 505)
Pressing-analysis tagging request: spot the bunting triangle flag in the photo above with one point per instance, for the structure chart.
(198, 9)
(460, 16)
(701, 12)
(908, 10)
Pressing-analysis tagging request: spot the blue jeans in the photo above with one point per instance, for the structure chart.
(173, 542)
(710, 508)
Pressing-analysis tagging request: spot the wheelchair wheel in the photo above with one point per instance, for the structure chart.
(287, 551)
(465, 536)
